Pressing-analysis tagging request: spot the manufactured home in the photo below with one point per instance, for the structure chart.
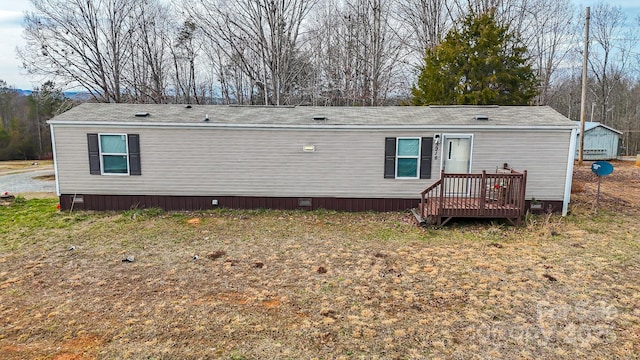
(601, 142)
(120, 156)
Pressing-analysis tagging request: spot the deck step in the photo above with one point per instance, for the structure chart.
(416, 214)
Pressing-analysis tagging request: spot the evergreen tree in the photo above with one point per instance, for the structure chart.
(483, 63)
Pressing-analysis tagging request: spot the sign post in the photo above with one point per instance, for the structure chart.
(600, 168)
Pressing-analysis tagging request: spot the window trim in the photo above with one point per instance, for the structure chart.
(416, 157)
(102, 154)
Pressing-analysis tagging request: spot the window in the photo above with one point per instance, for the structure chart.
(114, 154)
(408, 158)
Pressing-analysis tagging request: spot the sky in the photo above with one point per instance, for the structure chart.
(12, 12)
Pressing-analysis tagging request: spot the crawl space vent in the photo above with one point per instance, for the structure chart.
(481, 117)
(319, 117)
(142, 114)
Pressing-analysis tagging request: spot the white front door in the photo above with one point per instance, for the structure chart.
(457, 160)
(457, 155)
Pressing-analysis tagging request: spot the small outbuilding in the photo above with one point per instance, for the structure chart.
(120, 156)
(601, 142)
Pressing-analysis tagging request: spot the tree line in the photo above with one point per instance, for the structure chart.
(24, 133)
(321, 52)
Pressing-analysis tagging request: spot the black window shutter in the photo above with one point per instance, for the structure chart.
(134, 154)
(425, 157)
(390, 158)
(94, 154)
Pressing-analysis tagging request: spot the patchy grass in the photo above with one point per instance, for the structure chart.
(320, 284)
(39, 195)
(16, 166)
(45, 177)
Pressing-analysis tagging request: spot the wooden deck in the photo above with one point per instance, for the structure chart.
(499, 196)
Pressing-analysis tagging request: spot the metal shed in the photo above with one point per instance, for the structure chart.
(600, 141)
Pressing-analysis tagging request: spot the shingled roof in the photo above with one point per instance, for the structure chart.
(588, 125)
(310, 116)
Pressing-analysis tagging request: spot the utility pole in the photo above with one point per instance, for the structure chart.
(583, 100)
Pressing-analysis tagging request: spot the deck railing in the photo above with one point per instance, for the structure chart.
(488, 195)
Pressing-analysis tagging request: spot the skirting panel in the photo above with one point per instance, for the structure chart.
(175, 203)
(544, 206)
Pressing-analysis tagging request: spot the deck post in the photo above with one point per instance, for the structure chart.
(523, 192)
(482, 202)
(441, 202)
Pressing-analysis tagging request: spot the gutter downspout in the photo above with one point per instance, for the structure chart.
(570, 161)
(55, 159)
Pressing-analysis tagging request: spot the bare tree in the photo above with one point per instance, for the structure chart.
(111, 48)
(565, 94)
(326, 47)
(543, 26)
(356, 50)
(549, 30)
(385, 49)
(44, 103)
(610, 53)
(506, 11)
(428, 21)
(630, 121)
(184, 52)
(613, 86)
(261, 37)
(345, 52)
(80, 42)
(148, 74)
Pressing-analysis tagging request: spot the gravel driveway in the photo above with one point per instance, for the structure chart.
(26, 182)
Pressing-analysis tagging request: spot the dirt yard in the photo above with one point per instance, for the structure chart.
(620, 191)
(18, 166)
(323, 285)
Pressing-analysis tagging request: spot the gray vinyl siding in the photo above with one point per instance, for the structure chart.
(240, 163)
(543, 154)
(271, 162)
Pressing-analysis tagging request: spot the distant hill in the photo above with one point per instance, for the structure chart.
(74, 95)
